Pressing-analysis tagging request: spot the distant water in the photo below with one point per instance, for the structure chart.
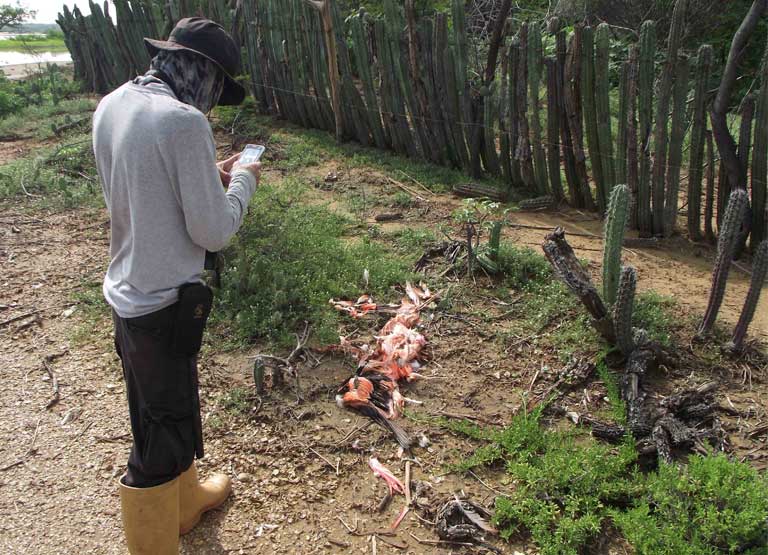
(12, 57)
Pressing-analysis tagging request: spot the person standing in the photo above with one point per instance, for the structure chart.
(169, 203)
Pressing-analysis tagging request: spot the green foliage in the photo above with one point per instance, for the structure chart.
(402, 200)
(237, 400)
(611, 382)
(563, 484)
(11, 16)
(289, 258)
(568, 488)
(49, 42)
(521, 266)
(64, 176)
(413, 239)
(43, 89)
(551, 313)
(654, 313)
(714, 505)
(36, 119)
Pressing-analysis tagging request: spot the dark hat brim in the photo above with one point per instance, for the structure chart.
(233, 92)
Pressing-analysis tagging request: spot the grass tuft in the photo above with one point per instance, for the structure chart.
(289, 259)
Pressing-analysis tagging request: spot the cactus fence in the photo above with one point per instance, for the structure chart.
(546, 126)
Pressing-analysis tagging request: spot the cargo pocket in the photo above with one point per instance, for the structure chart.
(169, 443)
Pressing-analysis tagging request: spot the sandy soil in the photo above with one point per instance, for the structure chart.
(301, 480)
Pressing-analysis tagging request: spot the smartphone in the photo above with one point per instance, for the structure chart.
(251, 154)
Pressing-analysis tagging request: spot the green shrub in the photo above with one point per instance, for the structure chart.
(563, 483)
(521, 266)
(289, 259)
(653, 313)
(713, 505)
(65, 176)
(569, 488)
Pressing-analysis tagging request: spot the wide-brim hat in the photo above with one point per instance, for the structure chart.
(208, 39)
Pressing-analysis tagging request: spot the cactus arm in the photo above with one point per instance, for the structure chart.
(615, 224)
(622, 310)
(759, 271)
(726, 245)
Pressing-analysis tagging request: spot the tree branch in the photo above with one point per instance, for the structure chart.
(725, 141)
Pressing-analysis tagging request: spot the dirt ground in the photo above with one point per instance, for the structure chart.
(301, 480)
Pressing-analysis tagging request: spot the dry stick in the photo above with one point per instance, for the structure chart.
(406, 189)
(329, 463)
(464, 416)
(29, 451)
(354, 432)
(391, 542)
(77, 435)
(417, 182)
(17, 318)
(408, 483)
(440, 542)
(54, 383)
(549, 228)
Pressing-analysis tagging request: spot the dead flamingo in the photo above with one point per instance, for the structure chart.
(380, 471)
(361, 395)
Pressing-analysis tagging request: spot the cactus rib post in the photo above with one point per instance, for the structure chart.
(615, 224)
(535, 64)
(603, 106)
(698, 140)
(590, 114)
(645, 115)
(759, 173)
(622, 310)
(660, 138)
(679, 125)
(759, 271)
(726, 246)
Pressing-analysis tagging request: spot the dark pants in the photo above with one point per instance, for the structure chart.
(162, 399)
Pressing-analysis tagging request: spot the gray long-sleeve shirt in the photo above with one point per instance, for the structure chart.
(157, 161)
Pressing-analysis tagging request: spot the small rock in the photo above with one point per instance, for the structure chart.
(244, 477)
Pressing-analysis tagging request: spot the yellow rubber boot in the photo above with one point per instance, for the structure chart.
(196, 497)
(151, 518)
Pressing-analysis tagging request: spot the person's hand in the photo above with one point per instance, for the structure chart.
(254, 168)
(224, 167)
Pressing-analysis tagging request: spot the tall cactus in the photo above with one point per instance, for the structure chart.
(590, 113)
(630, 114)
(603, 105)
(759, 271)
(709, 201)
(645, 116)
(660, 138)
(615, 225)
(622, 135)
(622, 310)
(535, 65)
(679, 125)
(726, 246)
(760, 161)
(698, 131)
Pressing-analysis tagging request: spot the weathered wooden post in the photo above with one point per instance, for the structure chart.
(324, 7)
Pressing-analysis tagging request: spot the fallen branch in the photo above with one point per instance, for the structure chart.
(17, 318)
(569, 269)
(280, 364)
(30, 450)
(54, 383)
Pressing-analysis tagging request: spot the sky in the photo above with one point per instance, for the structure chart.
(47, 10)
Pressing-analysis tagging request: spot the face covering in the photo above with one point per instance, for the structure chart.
(193, 78)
